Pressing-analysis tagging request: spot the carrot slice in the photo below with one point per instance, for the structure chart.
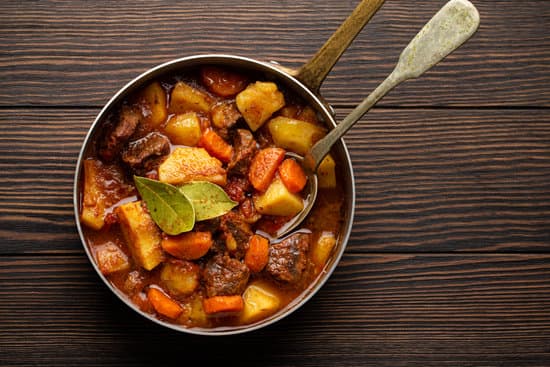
(222, 82)
(257, 254)
(188, 246)
(218, 304)
(216, 146)
(292, 175)
(164, 304)
(264, 166)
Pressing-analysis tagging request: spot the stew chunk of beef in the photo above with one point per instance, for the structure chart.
(150, 146)
(119, 133)
(225, 276)
(236, 232)
(245, 148)
(288, 258)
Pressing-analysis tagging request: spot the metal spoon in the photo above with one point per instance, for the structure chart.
(449, 28)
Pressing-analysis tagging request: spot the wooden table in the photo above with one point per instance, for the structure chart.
(449, 260)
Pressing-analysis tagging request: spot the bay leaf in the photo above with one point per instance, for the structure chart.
(209, 200)
(169, 207)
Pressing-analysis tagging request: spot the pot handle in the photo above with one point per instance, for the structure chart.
(313, 72)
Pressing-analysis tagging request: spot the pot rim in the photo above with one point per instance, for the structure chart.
(296, 86)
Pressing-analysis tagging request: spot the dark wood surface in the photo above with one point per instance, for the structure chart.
(449, 259)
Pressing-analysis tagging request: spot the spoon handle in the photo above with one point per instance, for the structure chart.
(449, 28)
(315, 70)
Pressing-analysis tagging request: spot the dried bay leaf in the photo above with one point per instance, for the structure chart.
(209, 200)
(169, 207)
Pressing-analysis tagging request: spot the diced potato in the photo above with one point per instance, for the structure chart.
(196, 313)
(154, 98)
(191, 164)
(326, 173)
(259, 302)
(185, 98)
(258, 102)
(180, 277)
(141, 234)
(110, 258)
(93, 205)
(277, 200)
(294, 135)
(103, 186)
(322, 249)
(184, 129)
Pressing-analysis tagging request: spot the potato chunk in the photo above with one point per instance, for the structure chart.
(185, 98)
(277, 200)
(322, 249)
(191, 164)
(154, 99)
(294, 135)
(103, 186)
(259, 302)
(110, 258)
(326, 173)
(258, 102)
(180, 277)
(196, 312)
(184, 129)
(93, 207)
(141, 234)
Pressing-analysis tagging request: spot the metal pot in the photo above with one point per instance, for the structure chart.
(305, 83)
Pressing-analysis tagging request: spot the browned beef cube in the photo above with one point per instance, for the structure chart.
(237, 187)
(118, 134)
(288, 258)
(245, 148)
(236, 232)
(225, 276)
(152, 145)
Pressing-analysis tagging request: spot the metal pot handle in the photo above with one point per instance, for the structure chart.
(313, 72)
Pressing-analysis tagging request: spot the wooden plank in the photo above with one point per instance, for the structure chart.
(427, 180)
(81, 52)
(375, 310)
(452, 180)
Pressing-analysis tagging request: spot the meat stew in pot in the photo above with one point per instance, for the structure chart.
(185, 186)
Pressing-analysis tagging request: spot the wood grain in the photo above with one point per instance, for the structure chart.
(452, 180)
(427, 180)
(448, 263)
(376, 310)
(79, 52)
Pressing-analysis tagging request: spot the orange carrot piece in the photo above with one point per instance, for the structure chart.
(257, 254)
(188, 246)
(216, 146)
(292, 175)
(164, 304)
(264, 166)
(223, 82)
(218, 304)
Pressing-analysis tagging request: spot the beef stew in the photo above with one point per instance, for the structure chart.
(212, 140)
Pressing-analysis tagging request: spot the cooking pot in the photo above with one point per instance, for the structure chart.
(305, 83)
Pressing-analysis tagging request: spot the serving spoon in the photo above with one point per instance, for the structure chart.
(449, 28)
